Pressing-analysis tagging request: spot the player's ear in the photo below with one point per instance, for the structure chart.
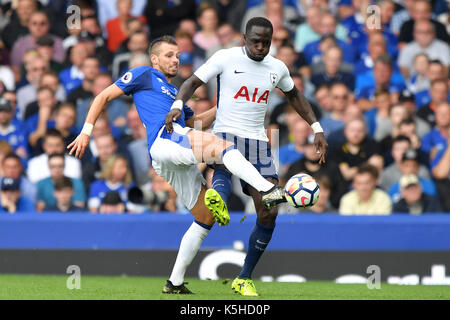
(154, 59)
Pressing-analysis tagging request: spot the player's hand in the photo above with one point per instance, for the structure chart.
(321, 146)
(172, 116)
(79, 145)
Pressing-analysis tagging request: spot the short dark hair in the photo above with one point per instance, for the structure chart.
(56, 155)
(53, 133)
(259, 22)
(368, 168)
(401, 138)
(63, 182)
(385, 59)
(12, 155)
(156, 43)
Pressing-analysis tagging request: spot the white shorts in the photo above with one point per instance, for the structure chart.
(173, 159)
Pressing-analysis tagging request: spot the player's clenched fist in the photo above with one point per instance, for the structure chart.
(79, 145)
(172, 116)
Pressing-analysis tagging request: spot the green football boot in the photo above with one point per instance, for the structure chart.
(217, 206)
(245, 287)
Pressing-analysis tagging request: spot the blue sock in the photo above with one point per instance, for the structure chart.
(221, 182)
(259, 239)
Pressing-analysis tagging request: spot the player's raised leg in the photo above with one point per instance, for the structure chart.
(257, 243)
(209, 148)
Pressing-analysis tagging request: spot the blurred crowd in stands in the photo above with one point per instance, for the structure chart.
(375, 72)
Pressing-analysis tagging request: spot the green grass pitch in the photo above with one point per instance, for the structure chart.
(31, 287)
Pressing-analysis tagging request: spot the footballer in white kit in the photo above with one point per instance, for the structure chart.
(246, 77)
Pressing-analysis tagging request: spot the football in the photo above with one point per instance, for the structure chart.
(302, 191)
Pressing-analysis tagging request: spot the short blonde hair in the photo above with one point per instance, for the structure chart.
(108, 168)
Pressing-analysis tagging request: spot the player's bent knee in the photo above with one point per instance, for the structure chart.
(267, 216)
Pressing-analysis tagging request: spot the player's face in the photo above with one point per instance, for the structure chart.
(257, 42)
(167, 61)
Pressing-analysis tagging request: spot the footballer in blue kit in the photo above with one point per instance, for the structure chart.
(176, 150)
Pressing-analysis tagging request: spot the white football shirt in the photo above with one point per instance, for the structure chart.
(243, 89)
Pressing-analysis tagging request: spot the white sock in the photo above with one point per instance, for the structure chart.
(189, 246)
(240, 167)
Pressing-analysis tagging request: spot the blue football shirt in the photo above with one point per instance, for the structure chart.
(153, 97)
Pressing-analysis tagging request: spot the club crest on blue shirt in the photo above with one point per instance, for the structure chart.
(273, 78)
(127, 77)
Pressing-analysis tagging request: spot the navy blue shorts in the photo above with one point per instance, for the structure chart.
(257, 152)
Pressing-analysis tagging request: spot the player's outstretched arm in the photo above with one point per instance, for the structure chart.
(186, 91)
(303, 108)
(79, 145)
(205, 119)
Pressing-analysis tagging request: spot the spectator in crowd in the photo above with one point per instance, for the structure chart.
(108, 10)
(63, 193)
(295, 150)
(440, 167)
(392, 173)
(365, 199)
(413, 200)
(340, 97)
(65, 116)
(418, 79)
(421, 12)
(133, 25)
(310, 30)
(112, 203)
(12, 167)
(410, 164)
(53, 143)
(206, 38)
(279, 15)
(91, 36)
(378, 117)
(230, 12)
(45, 48)
(401, 16)
(116, 176)
(439, 93)
(116, 28)
(228, 37)
(28, 93)
(436, 71)
(5, 149)
(104, 146)
(116, 110)
(310, 164)
(12, 200)
(434, 141)
(383, 76)
(424, 42)
(37, 124)
(38, 25)
(333, 72)
(7, 76)
(327, 29)
(18, 26)
(323, 97)
(164, 18)
(12, 131)
(48, 80)
(137, 44)
(90, 67)
(72, 77)
(376, 47)
(47, 187)
(187, 26)
(357, 149)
